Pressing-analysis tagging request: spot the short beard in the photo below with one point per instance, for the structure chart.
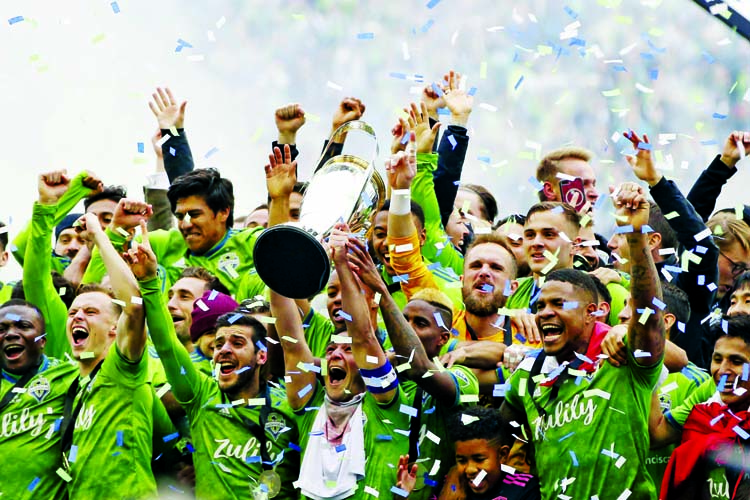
(484, 307)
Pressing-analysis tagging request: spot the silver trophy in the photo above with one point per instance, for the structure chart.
(290, 258)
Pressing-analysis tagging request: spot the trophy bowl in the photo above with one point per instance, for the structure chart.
(290, 258)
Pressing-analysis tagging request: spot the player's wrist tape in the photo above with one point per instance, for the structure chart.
(400, 202)
(381, 379)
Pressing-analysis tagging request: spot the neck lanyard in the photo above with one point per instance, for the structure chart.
(259, 431)
(70, 415)
(21, 382)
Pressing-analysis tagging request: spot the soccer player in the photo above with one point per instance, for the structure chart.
(591, 437)
(240, 426)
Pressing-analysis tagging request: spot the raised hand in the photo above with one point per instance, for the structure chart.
(631, 205)
(736, 147)
(92, 182)
(433, 101)
(350, 108)
(457, 100)
(166, 110)
(614, 346)
(419, 122)
(141, 259)
(363, 266)
(398, 132)
(52, 185)
(338, 242)
(289, 119)
(281, 173)
(643, 165)
(406, 476)
(402, 167)
(130, 213)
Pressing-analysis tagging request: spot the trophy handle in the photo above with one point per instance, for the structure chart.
(337, 143)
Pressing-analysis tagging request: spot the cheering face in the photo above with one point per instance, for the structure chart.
(343, 381)
(379, 243)
(333, 304)
(68, 243)
(236, 357)
(619, 245)
(21, 344)
(201, 227)
(477, 455)
(732, 262)
(92, 325)
(542, 233)
(488, 270)
(422, 317)
(729, 357)
(740, 302)
(564, 318)
(182, 295)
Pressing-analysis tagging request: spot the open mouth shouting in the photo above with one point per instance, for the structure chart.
(80, 336)
(336, 375)
(13, 352)
(551, 332)
(226, 368)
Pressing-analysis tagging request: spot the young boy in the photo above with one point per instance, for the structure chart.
(482, 450)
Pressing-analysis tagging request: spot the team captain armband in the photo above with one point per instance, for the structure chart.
(381, 379)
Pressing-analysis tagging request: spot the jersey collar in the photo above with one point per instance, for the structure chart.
(216, 247)
(12, 378)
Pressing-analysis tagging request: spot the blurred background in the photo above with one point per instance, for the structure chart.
(77, 76)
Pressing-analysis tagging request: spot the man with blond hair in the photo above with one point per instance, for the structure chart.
(566, 164)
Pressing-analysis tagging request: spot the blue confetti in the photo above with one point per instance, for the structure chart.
(472, 91)
(401, 278)
(619, 68)
(647, 55)
(653, 74)
(486, 287)
(365, 36)
(710, 142)
(566, 436)
(484, 159)
(141, 149)
(211, 152)
(34, 483)
(658, 304)
(520, 338)
(119, 438)
(14, 20)
(304, 391)
(570, 12)
(294, 447)
(708, 57)
(645, 146)
(340, 448)
(261, 346)
(453, 142)
(740, 432)
(436, 88)
(624, 229)
(719, 116)
(427, 25)
(172, 151)
(400, 76)
(573, 457)
(254, 459)
(432, 3)
(170, 437)
(745, 371)
(383, 437)
(399, 491)
(577, 41)
(430, 482)
(700, 249)
(535, 182)
(518, 83)
(73, 455)
(722, 383)
(115, 7)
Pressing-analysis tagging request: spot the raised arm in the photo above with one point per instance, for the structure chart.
(37, 277)
(289, 119)
(131, 331)
(407, 345)
(178, 159)
(182, 374)
(155, 191)
(646, 331)
(367, 352)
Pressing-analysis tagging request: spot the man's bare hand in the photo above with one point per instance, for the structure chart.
(281, 173)
(736, 147)
(52, 185)
(613, 345)
(166, 110)
(129, 214)
(349, 109)
(419, 122)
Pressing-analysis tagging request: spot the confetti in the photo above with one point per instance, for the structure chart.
(115, 7)
(14, 20)
(365, 36)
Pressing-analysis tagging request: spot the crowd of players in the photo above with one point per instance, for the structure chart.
(455, 353)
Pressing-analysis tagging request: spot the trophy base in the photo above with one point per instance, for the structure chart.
(291, 262)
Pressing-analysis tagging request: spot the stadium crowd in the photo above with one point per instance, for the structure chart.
(455, 352)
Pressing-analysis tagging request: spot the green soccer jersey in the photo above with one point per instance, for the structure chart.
(5, 290)
(29, 437)
(592, 439)
(386, 437)
(230, 260)
(37, 280)
(203, 363)
(227, 454)
(436, 453)
(678, 415)
(672, 393)
(112, 439)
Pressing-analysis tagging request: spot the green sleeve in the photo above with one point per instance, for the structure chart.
(65, 204)
(423, 192)
(37, 280)
(467, 384)
(677, 416)
(96, 271)
(183, 376)
(620, 296)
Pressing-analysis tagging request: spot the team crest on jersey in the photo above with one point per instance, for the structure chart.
(229, 262)
(665, 402)
(39, 388)
(463, 379)
(275, 424)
